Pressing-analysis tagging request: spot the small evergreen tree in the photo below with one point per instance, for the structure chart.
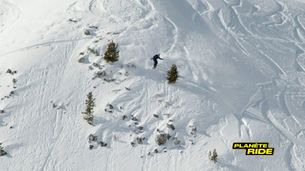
(172, 74)
(90, 104)
(213, 157)
(112, 52)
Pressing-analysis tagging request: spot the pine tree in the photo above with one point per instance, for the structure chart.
(213, 156)
(90, 104)
(112, 52)
(172, 74)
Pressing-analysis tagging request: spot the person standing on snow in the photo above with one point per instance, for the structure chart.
(155, 59)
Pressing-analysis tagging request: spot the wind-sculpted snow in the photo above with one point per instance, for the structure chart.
(242, 76)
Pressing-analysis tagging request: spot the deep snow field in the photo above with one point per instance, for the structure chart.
(242, 78)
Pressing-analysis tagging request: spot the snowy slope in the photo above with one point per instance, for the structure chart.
(242, 78)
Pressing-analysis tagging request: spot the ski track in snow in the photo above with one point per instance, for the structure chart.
(58, 127)
(175, 38)
(42, 45)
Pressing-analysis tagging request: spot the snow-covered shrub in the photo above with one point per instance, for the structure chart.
(213, 156)
(161, 139)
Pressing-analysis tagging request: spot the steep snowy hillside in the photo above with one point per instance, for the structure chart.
(242, 79)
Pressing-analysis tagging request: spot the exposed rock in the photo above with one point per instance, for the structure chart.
(156, 115)
(176, 141)
(2, 152)
(83, 60)
(109, 79)
(94, 51)
(193, 131)
(133, 144)
(140, 127)
(110, 106)
(92, 138)
(93, 27)
(124, 117)
(140, 140)
(156, 150)
(134, 118)
(97, 65)
(73, 20)
(100, 74)
(9, 71)
(170, 126)
(87, 32)
(91, 147)
(103, 144)
(12, 93)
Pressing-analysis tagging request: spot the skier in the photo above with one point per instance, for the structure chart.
(155, 59)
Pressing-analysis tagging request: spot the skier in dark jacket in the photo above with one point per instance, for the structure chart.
(155, 59)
